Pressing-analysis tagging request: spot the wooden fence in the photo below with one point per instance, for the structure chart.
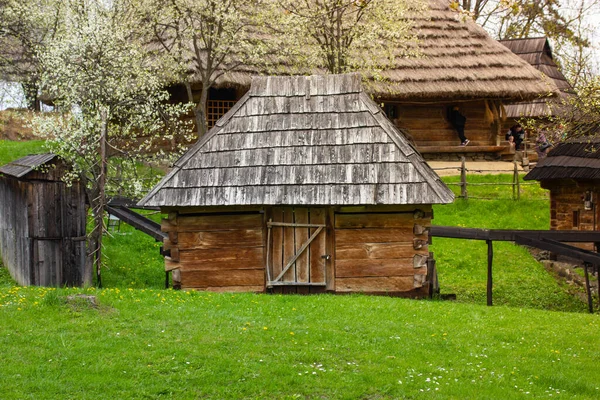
(515, 182)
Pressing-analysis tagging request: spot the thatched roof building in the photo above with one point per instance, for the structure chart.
(538, 53)
(459, 61)
(303, 186)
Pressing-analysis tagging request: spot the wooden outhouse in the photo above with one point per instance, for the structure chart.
(571, 172)
(42, 223)
(303, 186)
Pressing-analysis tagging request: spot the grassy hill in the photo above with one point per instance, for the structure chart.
(136, 340)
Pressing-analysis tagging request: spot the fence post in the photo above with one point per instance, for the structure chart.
(518, 182)
(463, 178)
(515, 184)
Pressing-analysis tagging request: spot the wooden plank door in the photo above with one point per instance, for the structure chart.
(297, 250)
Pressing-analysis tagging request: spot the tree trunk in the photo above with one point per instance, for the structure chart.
(100, 200)
(30, 89)
(200, 112)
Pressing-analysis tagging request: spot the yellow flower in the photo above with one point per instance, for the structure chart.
(291, 333)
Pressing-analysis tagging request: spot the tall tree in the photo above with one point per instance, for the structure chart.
(113, 104)
(567, 23)
(26, 27)
(348, 35)
(206, 39)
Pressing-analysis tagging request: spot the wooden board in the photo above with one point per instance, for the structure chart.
(277, 249)
(359, 251)
(377, 220)
(219, 239)
(221, 259)
(359, 236)
(375, 284)
(381, 267)
(192, 223)
(235, 289)
(318, 247)
(289, 245)
(301, 236)
(223, 278)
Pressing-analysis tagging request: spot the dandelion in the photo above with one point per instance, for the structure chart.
(292, 333)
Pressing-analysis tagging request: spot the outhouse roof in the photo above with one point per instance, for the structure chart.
(316, 140)
(25, 165)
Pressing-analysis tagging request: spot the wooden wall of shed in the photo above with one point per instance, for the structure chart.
(15, 245)
(429, 125)
(43, 231)
(216, 252)
(382, 252)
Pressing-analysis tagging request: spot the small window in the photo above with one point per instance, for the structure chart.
(391, 110)
(575, 218)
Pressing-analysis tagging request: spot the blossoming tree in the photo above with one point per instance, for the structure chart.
(112, 105)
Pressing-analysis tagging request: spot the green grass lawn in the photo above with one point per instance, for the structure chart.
(10, 150)
(141, 341)
(519, 280)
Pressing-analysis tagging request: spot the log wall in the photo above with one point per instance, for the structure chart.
(382, 252)
(216, 252)
(429, 126)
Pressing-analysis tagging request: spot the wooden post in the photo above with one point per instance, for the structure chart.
(489, 271)
(588, 289)
(518, 183)
(463, 178)
(166, 279)
(515, 184)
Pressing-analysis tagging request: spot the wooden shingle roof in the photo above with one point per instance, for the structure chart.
(538, 53)
(575, 159)
(25, 165)
(317, 140)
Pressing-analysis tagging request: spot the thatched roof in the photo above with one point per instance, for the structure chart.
(459, 61)
(575, 159)
(317, 140)
(537, 52)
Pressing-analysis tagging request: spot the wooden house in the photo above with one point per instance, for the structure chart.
(459, 64)
(42, 223)
(303, 186)
(538, 53)
(571, 172)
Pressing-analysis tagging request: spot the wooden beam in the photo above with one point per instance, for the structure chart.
(560, 248)
(508, 235)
